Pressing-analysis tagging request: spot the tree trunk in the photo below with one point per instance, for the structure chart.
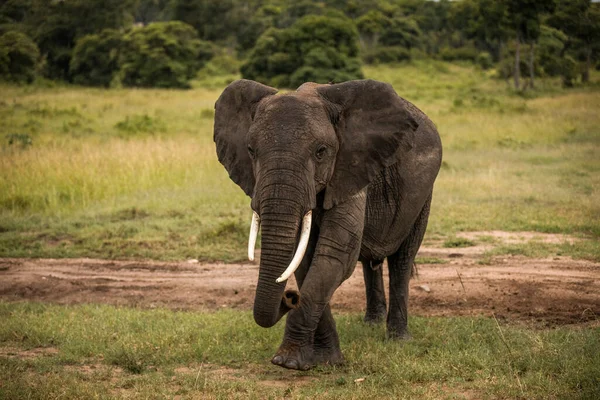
(585, 74)
(531, 61)
(517, 72)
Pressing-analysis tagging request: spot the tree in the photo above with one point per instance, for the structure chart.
(402, 32)
(13, 13)
(315, 48)
(162, 54)
(148, 11)
(526, 15)
(95, 59)
(18, 57)
(215, 20)
(56, 25)
(580, 21)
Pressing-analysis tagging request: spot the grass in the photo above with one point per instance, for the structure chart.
(49, 351)
(133, 173)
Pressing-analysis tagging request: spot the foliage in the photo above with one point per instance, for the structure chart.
(485, 60)
(580, 21)
(458, 54)
(95, 60)
(57, 25)
(214, 20)
(162, 54)
(315, 48)
(385, 55)
(18, 57)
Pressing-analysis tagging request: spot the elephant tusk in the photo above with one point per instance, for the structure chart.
(304, 235)
(254, 226)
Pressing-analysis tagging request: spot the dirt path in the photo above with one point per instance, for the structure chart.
(550, 291)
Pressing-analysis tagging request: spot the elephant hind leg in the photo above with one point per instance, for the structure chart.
(376, 304)
(401, 265)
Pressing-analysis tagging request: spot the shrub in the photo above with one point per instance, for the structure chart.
(568, 70)
(387, 55)
(549, 50)
(18, 57)
(484, 60)
(162, 54)
(458, 54)
(95, 59)
(315, 48)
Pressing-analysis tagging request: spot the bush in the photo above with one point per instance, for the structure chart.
(18, 57)
(568, 70)
(549, 50)
(162, 54)
(315, 48)
(95, 59)
(484, 60)
(387, 55)
(458, 54)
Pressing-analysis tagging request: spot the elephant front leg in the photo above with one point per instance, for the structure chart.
(310, 332)
(323, 346)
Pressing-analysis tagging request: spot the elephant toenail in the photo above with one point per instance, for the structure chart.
(277, 360)
(292, 364)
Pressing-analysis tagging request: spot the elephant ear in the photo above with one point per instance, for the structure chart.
(234, 111)
(374, 127)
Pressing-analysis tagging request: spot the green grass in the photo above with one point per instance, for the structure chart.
(103, 351)
(133, 173)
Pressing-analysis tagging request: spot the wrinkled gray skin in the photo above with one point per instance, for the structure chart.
(364, 160)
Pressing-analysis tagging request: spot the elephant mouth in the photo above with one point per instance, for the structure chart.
(300, 251)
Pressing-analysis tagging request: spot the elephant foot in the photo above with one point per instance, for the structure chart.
(398, 334)
(375, 317)
(294, 357)
(329, 356)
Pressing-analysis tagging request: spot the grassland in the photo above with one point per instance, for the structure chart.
(106, 352)
(132, 173)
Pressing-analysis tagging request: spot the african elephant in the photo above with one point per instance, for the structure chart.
(337, 173)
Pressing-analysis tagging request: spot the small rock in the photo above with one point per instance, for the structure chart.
(193, 261)
(425, 288)
(359, 380)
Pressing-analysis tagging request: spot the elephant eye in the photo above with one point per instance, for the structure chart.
(321, 152)
(251, 152)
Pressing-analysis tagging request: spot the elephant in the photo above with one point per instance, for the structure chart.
(336, 173)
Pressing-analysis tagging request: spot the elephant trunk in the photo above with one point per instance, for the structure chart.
(280, 223)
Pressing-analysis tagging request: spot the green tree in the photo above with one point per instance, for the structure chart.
(162, 54)
(315, 48)
(13, 13)
(403, 32)
(370, 27)
(215, 20)
(18, 57)
(526, 20)
(148, 11)
(56, 25)
(95, 60)
(580, 21)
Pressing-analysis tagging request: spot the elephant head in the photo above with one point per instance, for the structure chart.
(305, 150)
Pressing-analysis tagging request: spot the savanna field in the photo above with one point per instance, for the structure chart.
(132, 174)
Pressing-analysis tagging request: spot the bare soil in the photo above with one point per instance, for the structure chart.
(549, 291)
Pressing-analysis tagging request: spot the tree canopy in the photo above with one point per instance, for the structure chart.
(507, 33)
(315, 48)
